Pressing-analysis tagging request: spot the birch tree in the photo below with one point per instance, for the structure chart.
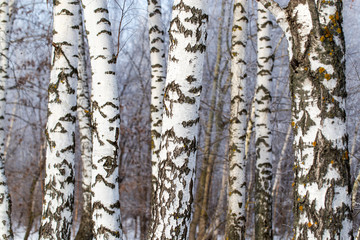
(235, 222)
(105, 122)
(263, 168)
(5, 203)
(60, 129)
(322, 206)
(158, 75)
(173, 211)
(84, 119)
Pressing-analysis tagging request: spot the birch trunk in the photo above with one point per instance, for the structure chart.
(322, 205)
(173, 212)
(235, 224)
(250, 185)
(60, 130)
(105, 123)
(84, 118)
(5, 202)
(158, 76)
(263, 166)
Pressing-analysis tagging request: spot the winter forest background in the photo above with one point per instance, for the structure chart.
(26, 113)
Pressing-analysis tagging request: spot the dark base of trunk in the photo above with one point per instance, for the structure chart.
(85, 229)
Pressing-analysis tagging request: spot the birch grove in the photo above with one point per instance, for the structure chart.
(5, 202)
(211, 94)
(60, 129)
(105, 123)
(172, 215)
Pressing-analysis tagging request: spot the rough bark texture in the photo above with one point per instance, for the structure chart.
(84, 118)
(158, 76)
(60, 130)
(173, 212)
(5, 203)
(235, 224)
(322, 208)
(263, 166)
(105, 122)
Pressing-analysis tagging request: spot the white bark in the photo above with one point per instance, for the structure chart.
(60, 130)
(172, 214)
(322, 206)
(5, 203)
(235, 226)
(84, 119)
(263, 169)
(105, 122)
(158, 76)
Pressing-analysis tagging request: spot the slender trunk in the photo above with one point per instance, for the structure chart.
(216, 223)
(60, 130)
(33, 187)
(5, 202)
(353, 160)
(209, 159)
(278, 174)
(158, 76)
(322, 203)
(263, 169)
(84, 116)
(356, 184)
(173, 212)
(279, 167)
(250, 185)
(235, 224)
(219, 127)
(11, 126)
(105, 123)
